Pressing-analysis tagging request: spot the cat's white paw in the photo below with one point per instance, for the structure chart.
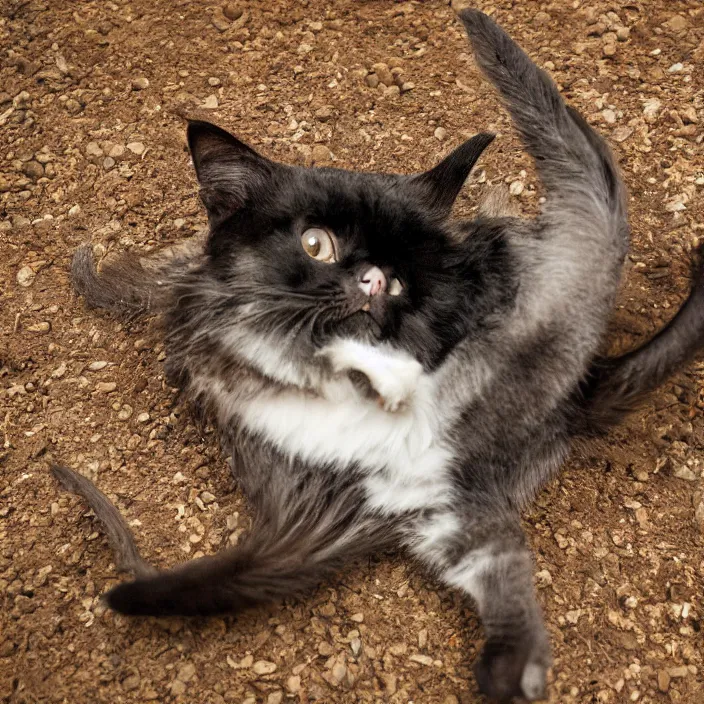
(394, 375)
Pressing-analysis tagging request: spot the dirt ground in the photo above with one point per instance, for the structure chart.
(93, 149)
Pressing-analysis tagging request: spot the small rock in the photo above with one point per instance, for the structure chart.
(140, 83)
(125, 412)
(21, 100)
(516, 188)
(186, 672)
(105, 387)
(320, 154)
(136, 148)
(275, 698)
(663, 680)
(323, 114)
(220, 23)
(609, 116)
(293, 684)
(26, 276)
(422, 659)
(59, 371)
(131, 682)
(232, 11)
(675, 68)
(543, 578)
(623, 33)
(97, 366)
(74, 210)
(338, 672)
(678, 672)
(384, 73)
(440, 133)
(408, 85)
(676, 23)
(392, 91)
(689, 115)
(621, 134)
(651, 109)
(178, 688)
(372, 80)
(357, 618)
(264, 667)
(73, 107)
(33, 169)
(108, 163)
(609, 50)
(39, 327)
(207, 498)
(684, 472)
(213, 81)
(93, 149)
(143, 418)
(210, 103)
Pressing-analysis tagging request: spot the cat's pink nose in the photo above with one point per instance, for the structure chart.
(373, 281)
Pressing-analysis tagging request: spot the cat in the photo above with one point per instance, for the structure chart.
(382, 375)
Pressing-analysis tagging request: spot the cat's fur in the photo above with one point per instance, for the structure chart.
(430, 420)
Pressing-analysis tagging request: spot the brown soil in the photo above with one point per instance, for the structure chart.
(93, 152)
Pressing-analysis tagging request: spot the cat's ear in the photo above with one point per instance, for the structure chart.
(229, 172)
(440, 186)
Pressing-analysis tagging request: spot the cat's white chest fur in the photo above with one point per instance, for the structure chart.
(402, 452)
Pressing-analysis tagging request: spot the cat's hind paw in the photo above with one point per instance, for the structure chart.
(512, 671)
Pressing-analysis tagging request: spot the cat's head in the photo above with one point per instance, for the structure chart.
(322, 251)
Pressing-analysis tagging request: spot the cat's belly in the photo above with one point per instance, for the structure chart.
(403, 456)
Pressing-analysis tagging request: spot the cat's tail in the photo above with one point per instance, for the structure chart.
(129, 285)
(311, 537)
(616, 386)
(573, 161)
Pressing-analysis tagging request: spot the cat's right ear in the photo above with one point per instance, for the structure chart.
(229, 172)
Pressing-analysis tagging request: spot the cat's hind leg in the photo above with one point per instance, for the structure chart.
(483, 553)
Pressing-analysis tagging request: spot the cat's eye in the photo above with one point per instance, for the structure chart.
(319, 245)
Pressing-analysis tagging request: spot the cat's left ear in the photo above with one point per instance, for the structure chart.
(229, 172)
(440, 186)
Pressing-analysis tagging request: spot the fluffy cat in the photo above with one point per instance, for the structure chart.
(384, 376)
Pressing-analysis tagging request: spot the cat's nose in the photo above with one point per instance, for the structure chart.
(373, 281)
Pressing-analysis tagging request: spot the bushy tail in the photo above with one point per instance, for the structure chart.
(308, 539)
(616, 386)
(130, 285)
(573, 161)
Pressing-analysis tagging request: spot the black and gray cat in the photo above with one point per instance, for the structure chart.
(381, 375)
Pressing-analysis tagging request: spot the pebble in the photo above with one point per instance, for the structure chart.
(33, 169)
(39, 327)
(93, 149)
(213, 81)
(186, 672)
(516, 188)
(663, 680)
(210, 103)
(143, 418)
(125, 412)
(651, 109)
(232, 11)
(97, 366)
(220, 23)
(137, 148)
(275, 698)
(320, 154)
(105, 387)
(140, 83)
(131, 682)
(178, 688)
(384, 74)
(26, 276)
(338, 672)
(440, 133)
(372, 80)
(543, 578)
(293, 684)
(684, 472)
(264, 667)
(21, 100)
(676, 23)
(689, 115)
(357, 618)
(392, 91)
(323, 114)
(207, 497)
(422, 659)
(623, 33)
(609, 50)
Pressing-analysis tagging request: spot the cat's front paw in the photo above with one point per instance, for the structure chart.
(393, 375)
(508, 671)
